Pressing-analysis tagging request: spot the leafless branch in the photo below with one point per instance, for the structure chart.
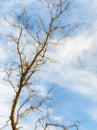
(26, 69)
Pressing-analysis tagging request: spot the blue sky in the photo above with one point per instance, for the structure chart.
(76, 71)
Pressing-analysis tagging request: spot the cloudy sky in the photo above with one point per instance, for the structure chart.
(76, 71)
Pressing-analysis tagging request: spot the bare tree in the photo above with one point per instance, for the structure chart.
(21, 72)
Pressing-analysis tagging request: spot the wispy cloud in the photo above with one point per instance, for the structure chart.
(92, 112)
(77, 64)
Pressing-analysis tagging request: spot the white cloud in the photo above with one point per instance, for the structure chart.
(6, 94)
(41, 90)
(57, 118)
(77, 67)
(15, 3)
(2, 53)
